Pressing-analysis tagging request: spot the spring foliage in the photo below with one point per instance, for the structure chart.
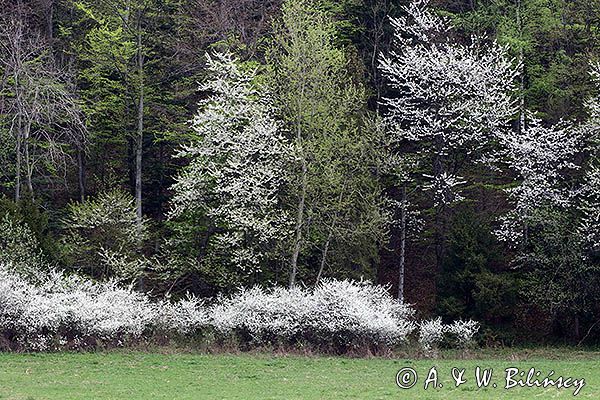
(103, 238)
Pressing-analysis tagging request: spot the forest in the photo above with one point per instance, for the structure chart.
(446, 149)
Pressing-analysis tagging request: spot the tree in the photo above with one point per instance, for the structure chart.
(552, 224)
(540, 156)
(335, 195)
(237, 172)
(242, 24)
(589, 197)
(102, 238)
(452, 101)
(116, 51)
(554, 40)
(39, 107)
(25, 244)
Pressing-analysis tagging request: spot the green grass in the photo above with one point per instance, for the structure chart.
(138, 375)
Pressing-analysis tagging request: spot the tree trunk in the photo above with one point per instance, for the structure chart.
(299, 225)
(140, 128)
(18, 162)
(19, 131)
(80, 174)
(50, 22)
(401, 261)
(440, 211)
(324, 257)
(28, 163)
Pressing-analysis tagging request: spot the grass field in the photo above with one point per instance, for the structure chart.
(137, 375)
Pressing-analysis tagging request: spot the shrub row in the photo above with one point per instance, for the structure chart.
(61, 311)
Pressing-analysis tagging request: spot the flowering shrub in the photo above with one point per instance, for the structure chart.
(463, 331)
(431, 333)
(63, 307)
(19, 247)
(103, 237)
(261, 314)
(337, 313)
(69, 311)
(358, 310)
(187, 316)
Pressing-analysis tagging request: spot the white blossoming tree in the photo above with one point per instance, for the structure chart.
(540, 156)
(452, 99)
(451, 102)
(237, 170)
(554, 222)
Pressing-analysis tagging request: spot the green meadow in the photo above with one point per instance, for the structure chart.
(141, 375)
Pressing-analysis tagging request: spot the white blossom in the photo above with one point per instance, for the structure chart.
(540, 156)
(444, 188)
(72, 311)
(238, 165)
(335, 312)
(186, 316)
(431, 333)
(453, 100)
(463, 331)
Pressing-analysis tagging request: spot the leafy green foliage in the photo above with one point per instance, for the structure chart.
(334, 191)
(102, 237)
(472, 284)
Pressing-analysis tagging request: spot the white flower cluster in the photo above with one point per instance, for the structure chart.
(186, 316)
(335, 312)
(238, 162)
(542, 157)
(445, 188)
(453, 100)
(432, 332)
(463, 331)
(62, 307)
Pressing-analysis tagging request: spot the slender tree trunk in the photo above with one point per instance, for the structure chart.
(28, 163)
(299, 226)
(161, 181)
(324, 257)
(440, 217)
(81, 174)
(20, 111)
(50, 22)
(330, 235)
(18, 162)
(401, 261)
(140, 127)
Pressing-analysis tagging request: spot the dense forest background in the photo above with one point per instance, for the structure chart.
(98, 100)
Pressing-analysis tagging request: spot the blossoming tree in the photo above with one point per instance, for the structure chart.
(451, 102)
(237, 168)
